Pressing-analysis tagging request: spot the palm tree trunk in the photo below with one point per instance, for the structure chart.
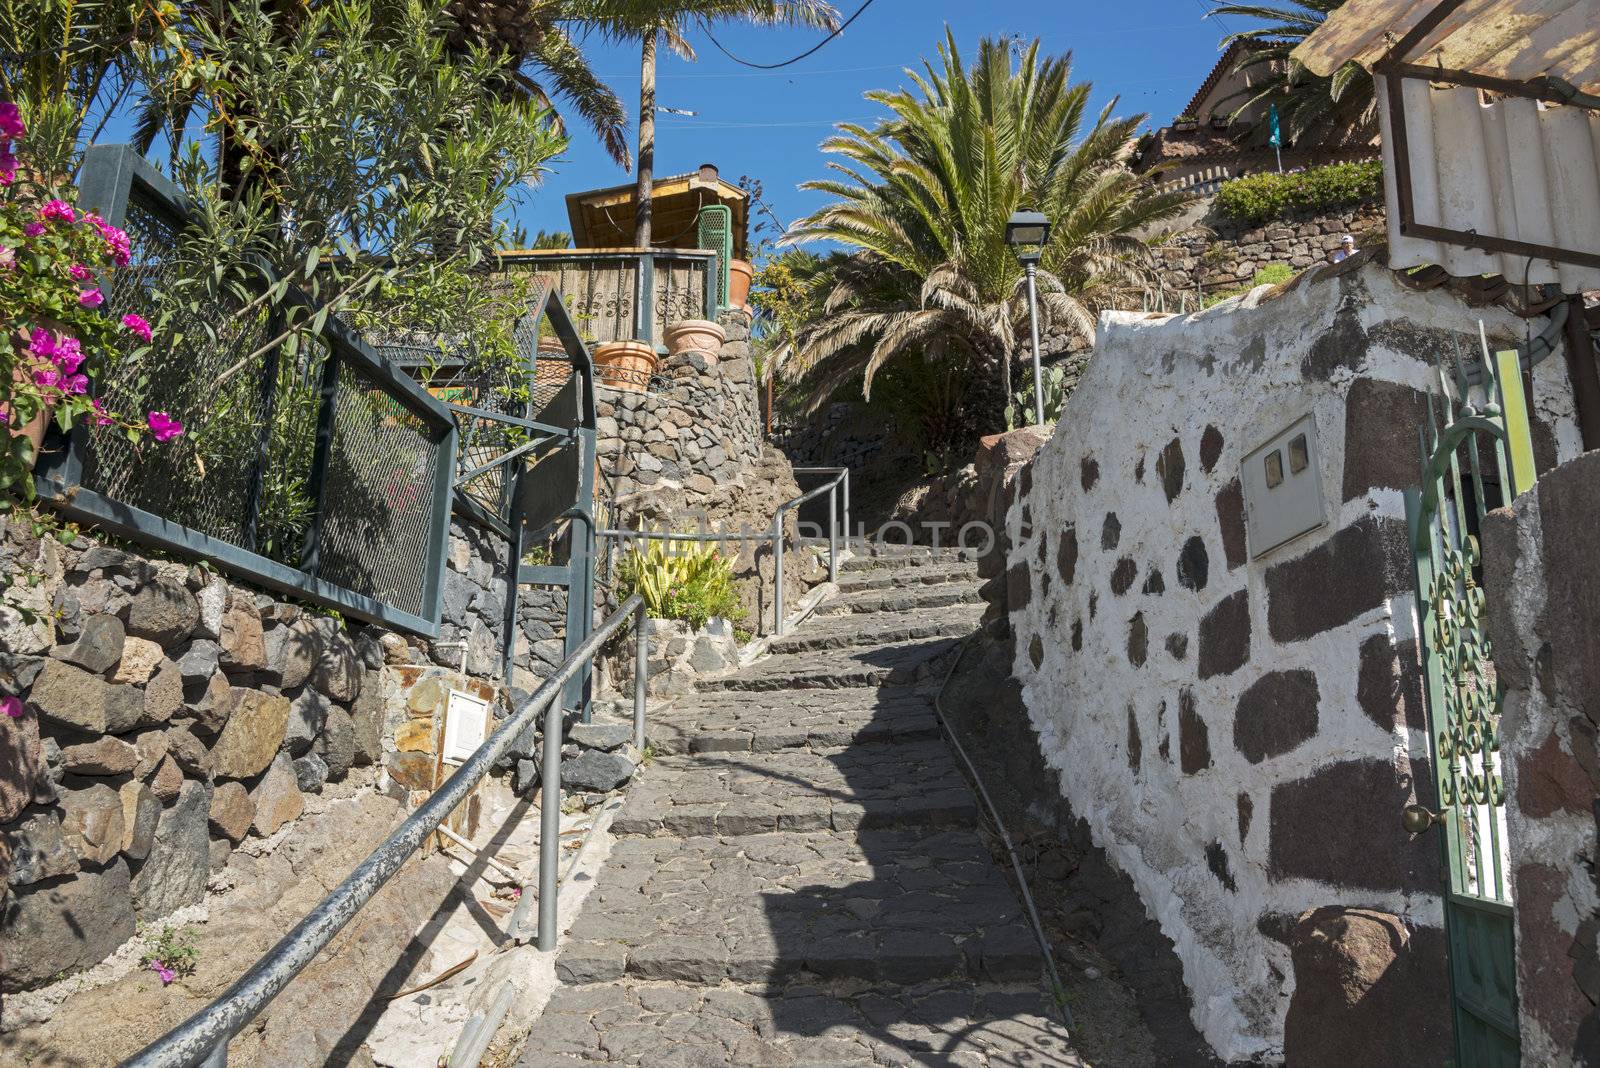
(647, 141)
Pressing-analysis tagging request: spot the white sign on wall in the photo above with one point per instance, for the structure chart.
(466, 725)
(1282, 482)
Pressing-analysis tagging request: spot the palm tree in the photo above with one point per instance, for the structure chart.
(1341, 106)
(652, 21)
(924, 199)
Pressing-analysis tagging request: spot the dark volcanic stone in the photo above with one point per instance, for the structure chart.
(1343, 346)
(1138, 640)
(1194, 741)
(1135, 743)
(1036, 652)
(1210, 449)
(164, 612)
(99, 645)
(1077, 635)
(1194, 565)
(64, 926)
(1380, 436)
(1217, 861)
(1276, 714)
(1225, 636)
(1341, 825)
(1366, 984)
(1088, 473)
(1067, 555)
(1154, 583)
(1178, 645)
(1389, 683)
(1230, 521)
(1123, 574)
(1110, 532)
(1019, 587)
(1169, 466)
(1355, 571)
(1247, 811)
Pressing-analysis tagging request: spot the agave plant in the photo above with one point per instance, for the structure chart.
(924, 196)
(1341, 106)
(693, 583)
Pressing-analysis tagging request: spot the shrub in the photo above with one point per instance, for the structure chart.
(692, 584)
(1257, 198)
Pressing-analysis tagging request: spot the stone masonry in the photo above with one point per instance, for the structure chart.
(1240, 726)
(798, 881)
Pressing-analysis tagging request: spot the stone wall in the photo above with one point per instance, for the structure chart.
(1241, 731)
(1223, 253)
(165, 713)
(1544, 622)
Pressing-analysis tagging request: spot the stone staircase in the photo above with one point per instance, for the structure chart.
(798, 879)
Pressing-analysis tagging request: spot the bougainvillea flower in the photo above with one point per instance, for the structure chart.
(116, 241)
(80, 273)
(101, 418)
(75, 384)
(91, 298)
(11, 706)
(48, 377)
(8, 164)
(33, 229)
(163, 427)
(59, 210)
(138, 325)
(41, 343)
(11, 126)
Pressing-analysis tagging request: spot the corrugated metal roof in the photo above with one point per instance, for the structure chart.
(1515, 39)
(1509, 168)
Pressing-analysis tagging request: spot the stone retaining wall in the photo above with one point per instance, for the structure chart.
(1544, 622)
(1239, 730)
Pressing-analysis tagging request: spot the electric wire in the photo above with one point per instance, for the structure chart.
(813, 50)
(1005, 836)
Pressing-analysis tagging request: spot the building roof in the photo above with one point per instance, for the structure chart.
(1517, 40)
(604, 218)
(1224, 66)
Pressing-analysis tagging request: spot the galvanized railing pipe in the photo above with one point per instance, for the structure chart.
(838, 490)
(203, 1038)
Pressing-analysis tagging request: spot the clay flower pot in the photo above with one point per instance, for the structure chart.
(740, 275)
(696, 335)
(625, 365)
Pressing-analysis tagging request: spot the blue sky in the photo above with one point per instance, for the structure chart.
(1150, 53)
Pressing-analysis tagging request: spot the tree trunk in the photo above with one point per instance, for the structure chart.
(647, 141)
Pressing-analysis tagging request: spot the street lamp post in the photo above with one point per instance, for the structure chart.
(1028, 231)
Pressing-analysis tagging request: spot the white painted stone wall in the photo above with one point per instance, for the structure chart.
(1247, 371)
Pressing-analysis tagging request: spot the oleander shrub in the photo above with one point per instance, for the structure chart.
(1258, 198)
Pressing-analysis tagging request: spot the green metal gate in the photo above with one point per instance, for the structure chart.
(1476, 454)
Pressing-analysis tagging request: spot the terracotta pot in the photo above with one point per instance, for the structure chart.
(625, 365)
(696, 335)
(740, 275)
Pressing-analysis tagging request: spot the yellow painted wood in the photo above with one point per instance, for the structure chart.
(1519, 436)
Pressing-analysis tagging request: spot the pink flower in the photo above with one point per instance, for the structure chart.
(8, 164)
(166, 973)
(116, 241)
(80, 273)
(33, 229)
(163, 427)
(91, 298)
(41, 343)
(100, 416)
(11, 121)
(11, 706)
(8, 258)
(48, 377)
(138, 325)
(58, 209)
(68, 354)
(75, 384)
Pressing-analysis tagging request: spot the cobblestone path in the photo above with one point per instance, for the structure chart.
(798, 880)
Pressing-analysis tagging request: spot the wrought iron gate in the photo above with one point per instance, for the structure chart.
(1476, 454)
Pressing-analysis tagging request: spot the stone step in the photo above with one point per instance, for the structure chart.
(885, 578)
(669, 1025)
(840, 632)
(903, 600)
(898, 557)
(776, 909)
(832, 669)
(733, 721)
(887, 784)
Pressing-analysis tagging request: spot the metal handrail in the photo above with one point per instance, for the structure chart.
(840, 483)
(203, 1038)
